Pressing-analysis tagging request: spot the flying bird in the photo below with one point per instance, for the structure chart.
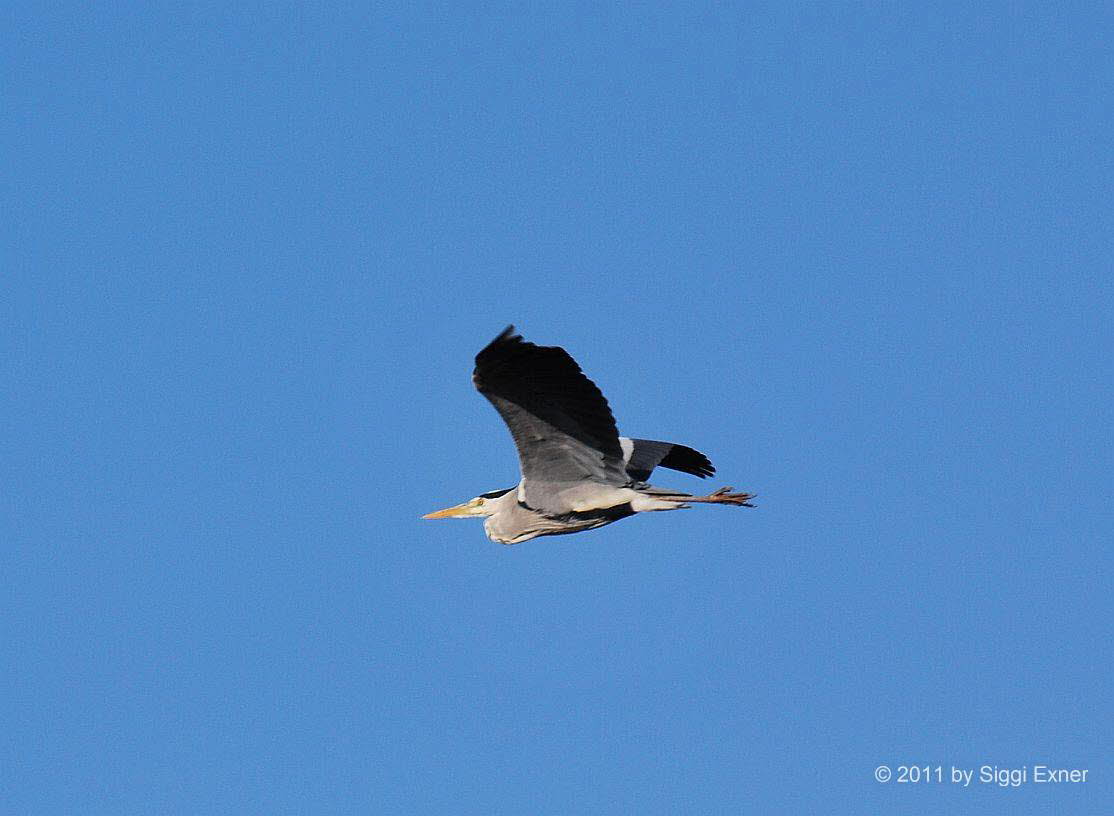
(577, 472)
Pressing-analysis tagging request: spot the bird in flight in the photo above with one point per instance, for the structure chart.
(577, 472)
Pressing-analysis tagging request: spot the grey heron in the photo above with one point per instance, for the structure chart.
(577, 472)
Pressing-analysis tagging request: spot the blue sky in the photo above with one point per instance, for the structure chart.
(860, 255)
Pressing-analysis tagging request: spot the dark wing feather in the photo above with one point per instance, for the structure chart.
(560, 422)
(646, 454)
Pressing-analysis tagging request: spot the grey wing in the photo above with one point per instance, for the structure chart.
(561, 424)
(641, 456)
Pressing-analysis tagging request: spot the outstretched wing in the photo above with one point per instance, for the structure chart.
(641, 456)
(561, 423)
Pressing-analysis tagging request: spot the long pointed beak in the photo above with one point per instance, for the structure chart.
(457, 511)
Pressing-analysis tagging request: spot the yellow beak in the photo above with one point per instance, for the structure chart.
(458, 511)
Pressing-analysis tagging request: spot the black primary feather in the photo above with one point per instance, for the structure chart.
(687, 460)
(646, 454)
(547, 383)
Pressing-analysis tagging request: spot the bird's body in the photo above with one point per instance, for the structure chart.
(511, 521)
(577, 472)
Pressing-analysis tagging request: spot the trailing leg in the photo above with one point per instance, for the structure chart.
(721, 496)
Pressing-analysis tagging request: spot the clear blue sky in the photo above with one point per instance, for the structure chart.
(860, 255)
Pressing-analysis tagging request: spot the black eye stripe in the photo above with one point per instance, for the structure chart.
(494, 494)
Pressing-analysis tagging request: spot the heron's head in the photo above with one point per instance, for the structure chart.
(483, 505)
